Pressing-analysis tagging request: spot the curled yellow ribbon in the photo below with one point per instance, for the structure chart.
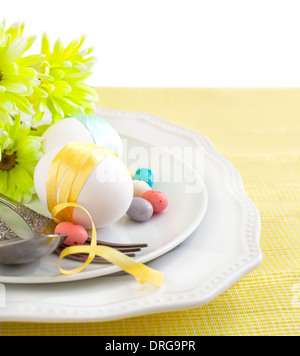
(67, 175)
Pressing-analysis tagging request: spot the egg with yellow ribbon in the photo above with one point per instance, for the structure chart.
(82, 128)
(90, 186)
(86, 174)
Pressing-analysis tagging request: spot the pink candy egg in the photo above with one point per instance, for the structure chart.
(76, 234)
(158, 199)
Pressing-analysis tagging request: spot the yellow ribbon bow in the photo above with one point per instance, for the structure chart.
(67, 174)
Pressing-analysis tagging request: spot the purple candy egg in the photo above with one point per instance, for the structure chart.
(140, 210)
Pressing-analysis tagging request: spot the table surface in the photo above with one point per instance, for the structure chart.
(258, 130)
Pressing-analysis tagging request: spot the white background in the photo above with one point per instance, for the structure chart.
(189, 43)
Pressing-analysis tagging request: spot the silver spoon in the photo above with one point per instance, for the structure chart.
(20, 251)
(15, 250)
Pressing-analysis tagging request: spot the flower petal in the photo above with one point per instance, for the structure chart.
(15, 30)
(30, 60)
(38, 91)
(4, 116)
(61, 88)
(22, 103)
(9, 68)
(45, 45)
(3, 181)
(22, 177)
(30, 41)
(73, 47)
(57, 51)
(2, 90)
(5, 102)
(15, 49)
(14, 87)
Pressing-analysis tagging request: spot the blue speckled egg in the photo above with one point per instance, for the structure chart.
(145, 175)
(140, 210)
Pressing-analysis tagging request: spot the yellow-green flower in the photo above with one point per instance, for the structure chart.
(18, 79)
(63, 73)
(19, 154)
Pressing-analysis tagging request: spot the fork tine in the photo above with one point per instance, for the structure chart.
(83, 257)
(119, 245)
(127, 249)
(121, 249)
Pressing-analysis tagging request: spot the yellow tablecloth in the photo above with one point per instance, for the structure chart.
(258, 130)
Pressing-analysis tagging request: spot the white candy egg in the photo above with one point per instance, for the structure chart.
(106, 194)
(82, 128)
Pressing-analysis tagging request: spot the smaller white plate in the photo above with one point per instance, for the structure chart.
(163, 232)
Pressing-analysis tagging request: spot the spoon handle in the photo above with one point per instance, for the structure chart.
(38, 223)
(13, 204)
(5, 232)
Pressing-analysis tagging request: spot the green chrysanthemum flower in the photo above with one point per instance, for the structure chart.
(64, 71)
(19, 154)
(18, 80)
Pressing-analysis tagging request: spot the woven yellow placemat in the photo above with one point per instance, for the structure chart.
(258, 130)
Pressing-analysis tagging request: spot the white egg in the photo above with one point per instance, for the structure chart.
(82, 128)
(106, 194)
(139, 187)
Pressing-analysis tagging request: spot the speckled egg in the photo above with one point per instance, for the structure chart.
(158, 199)
(145, 175)
(76, 234)
(140, 210)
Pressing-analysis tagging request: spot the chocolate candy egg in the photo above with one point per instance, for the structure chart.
(82, 128)
(106, 194)
(140, 210)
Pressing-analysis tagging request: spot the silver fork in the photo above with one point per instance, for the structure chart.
(42, 226)
(128, 249)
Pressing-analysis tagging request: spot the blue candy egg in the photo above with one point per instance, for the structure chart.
(145, 175)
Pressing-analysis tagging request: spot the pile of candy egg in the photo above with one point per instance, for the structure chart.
(146, 201)
(95, 130)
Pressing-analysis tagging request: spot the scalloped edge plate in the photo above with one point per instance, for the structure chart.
(222, 250)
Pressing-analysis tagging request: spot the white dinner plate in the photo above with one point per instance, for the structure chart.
(161, 233)
(222, 249)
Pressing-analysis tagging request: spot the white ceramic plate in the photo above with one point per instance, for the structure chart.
(223, 249)
(161, 233)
